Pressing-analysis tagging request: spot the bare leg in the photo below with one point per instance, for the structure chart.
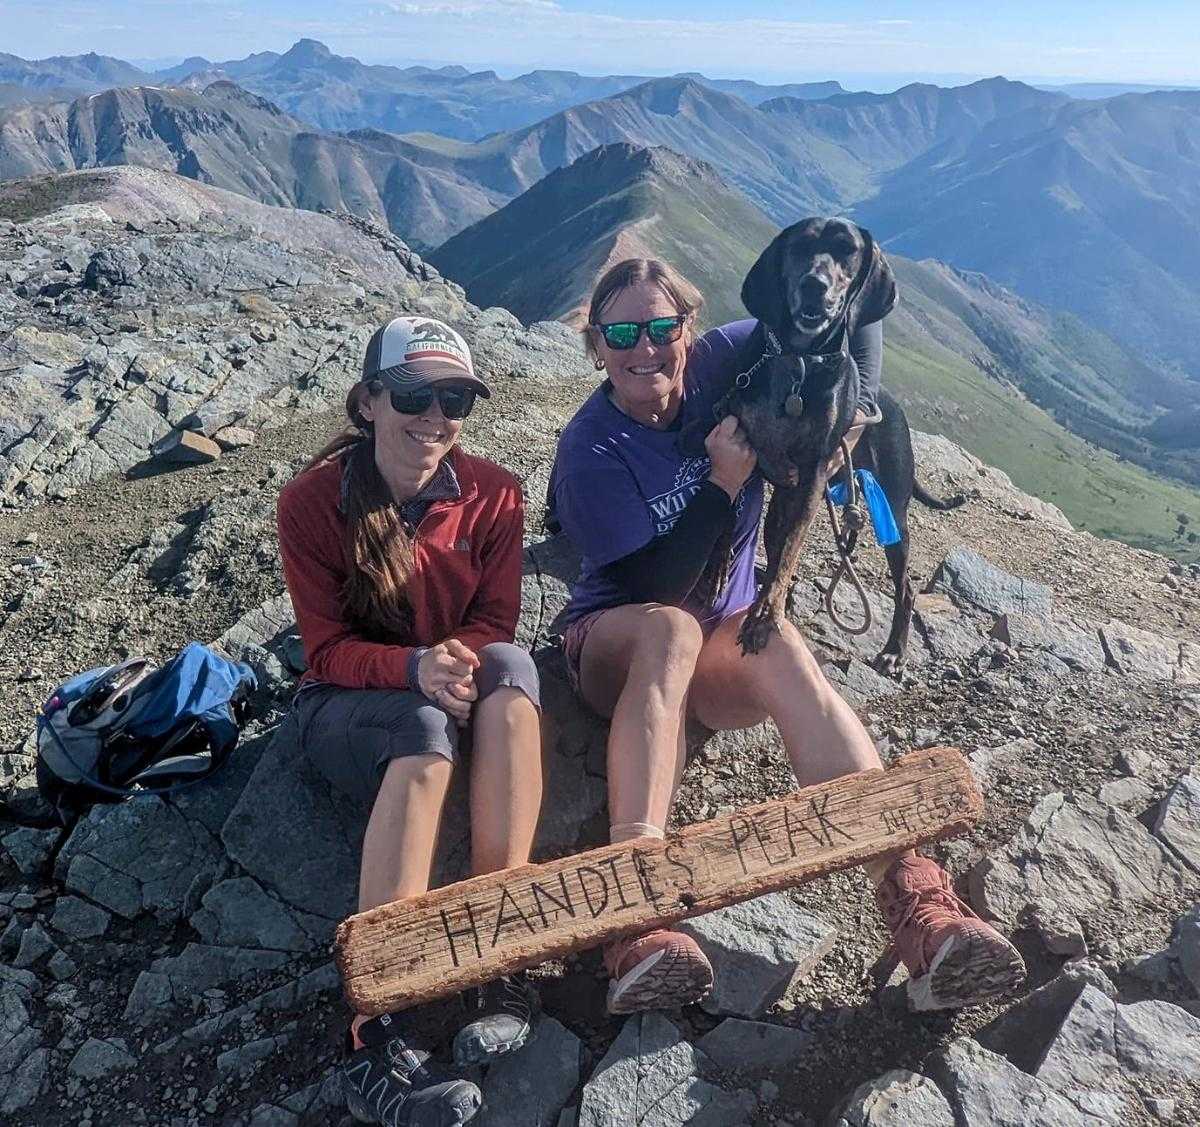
(506, 780)
(636, 665)
(397, 853)
(823, 736)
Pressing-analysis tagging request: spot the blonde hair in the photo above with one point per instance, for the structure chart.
(683, 295)
(373, 596)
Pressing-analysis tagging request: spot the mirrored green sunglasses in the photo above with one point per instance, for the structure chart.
(622, 335)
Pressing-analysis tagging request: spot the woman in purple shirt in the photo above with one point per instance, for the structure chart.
(646, 645)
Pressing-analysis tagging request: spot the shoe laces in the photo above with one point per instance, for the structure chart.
(921, 908)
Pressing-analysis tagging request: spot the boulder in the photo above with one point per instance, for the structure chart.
(984, 1090)
(96, 1059)
(186, 447)
(973, 580)
(758, 949)
(30, 849)
(1075, 645)
(650, 1077)
(531, 1087)
(754, 1046)
(1177, 822)
(1101, 1042)
(1141, 653)
(896, 1099)
(77, 919)
(1075, 858)
(143, 855)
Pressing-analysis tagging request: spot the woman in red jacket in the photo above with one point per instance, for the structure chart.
(403, 558)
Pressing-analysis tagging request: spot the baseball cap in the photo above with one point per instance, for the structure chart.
(410, 351)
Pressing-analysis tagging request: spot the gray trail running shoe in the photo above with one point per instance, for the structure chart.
(389, 1082)
(500, 1013)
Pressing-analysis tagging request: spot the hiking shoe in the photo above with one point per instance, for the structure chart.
(501, 1012)
(660, 970)
(954, 959)
(390, 1082)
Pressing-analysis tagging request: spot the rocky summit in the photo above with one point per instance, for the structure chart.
(171, 355)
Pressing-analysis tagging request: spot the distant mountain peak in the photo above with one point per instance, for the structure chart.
(306, 52)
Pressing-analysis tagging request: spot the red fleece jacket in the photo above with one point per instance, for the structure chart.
(466, 580)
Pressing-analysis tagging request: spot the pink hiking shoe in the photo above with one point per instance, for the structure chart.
(953, 957)
(660, 970)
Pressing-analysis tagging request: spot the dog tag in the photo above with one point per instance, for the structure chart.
(793, 406)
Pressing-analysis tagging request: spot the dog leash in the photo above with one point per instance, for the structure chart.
(845, 540)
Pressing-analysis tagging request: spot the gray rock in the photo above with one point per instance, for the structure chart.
(141, 855)
(1078, 647)
(30, 848)
(35, 945)
(531, 1087)
(176, 980)
(984, 1090)
(986, 762)
(1140, 653)
(1101, 1041)
(896, 1099)
(758, 949)
(61, 966)
(1076, 858)
(22, 1063)
(754, 1046)
(650, 1078)
(1185, 946)
(250, 1057)
(1131, 794)
(267, 1115)
(976, 581)
(237, 913)
(1023, 1032)
(97, 1058)
(1178, 820)
(77, 919)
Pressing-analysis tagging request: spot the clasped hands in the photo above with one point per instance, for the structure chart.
(446, 675)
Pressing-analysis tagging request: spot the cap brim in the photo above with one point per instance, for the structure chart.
(432, 371)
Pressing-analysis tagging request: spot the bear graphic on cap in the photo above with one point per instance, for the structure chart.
(408, 352)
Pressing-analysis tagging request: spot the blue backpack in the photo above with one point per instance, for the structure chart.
(137, 728)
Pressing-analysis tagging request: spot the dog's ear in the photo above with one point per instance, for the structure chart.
(762, 291)
(876, 289)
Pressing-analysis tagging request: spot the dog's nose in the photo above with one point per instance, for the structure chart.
(813, 287)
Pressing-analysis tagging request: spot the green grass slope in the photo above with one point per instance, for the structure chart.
(541, 254)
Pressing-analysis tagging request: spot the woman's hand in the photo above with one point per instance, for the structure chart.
(446, 675)
(457, 699)
(732, 458)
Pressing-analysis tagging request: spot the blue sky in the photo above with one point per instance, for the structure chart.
(849, 40)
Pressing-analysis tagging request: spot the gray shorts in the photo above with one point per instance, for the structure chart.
(352, 734)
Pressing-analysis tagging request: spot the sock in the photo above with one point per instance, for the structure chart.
(627, 831)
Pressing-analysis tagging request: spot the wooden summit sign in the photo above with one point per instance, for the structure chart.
(415, 950)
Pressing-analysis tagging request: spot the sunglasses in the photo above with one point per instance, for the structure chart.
(455, 402)
(622, 335)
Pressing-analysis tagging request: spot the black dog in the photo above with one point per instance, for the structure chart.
(796, 396)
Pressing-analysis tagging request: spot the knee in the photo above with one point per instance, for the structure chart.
(670, 639)
(789, 667)
(503, 665)
(417, 773)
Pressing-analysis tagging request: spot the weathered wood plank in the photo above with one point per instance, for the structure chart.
(429, 946)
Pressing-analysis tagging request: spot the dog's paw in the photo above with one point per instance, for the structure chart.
(756, 632)
(889, 664)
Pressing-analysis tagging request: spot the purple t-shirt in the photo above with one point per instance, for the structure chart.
(617, 484)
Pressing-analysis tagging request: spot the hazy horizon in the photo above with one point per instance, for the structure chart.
(1062, 44)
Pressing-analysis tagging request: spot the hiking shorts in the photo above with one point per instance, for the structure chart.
(351, 735)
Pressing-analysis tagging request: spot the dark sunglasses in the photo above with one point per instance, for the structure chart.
(621, 335)
(455, 402)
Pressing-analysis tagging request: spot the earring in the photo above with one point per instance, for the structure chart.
(599, 365)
